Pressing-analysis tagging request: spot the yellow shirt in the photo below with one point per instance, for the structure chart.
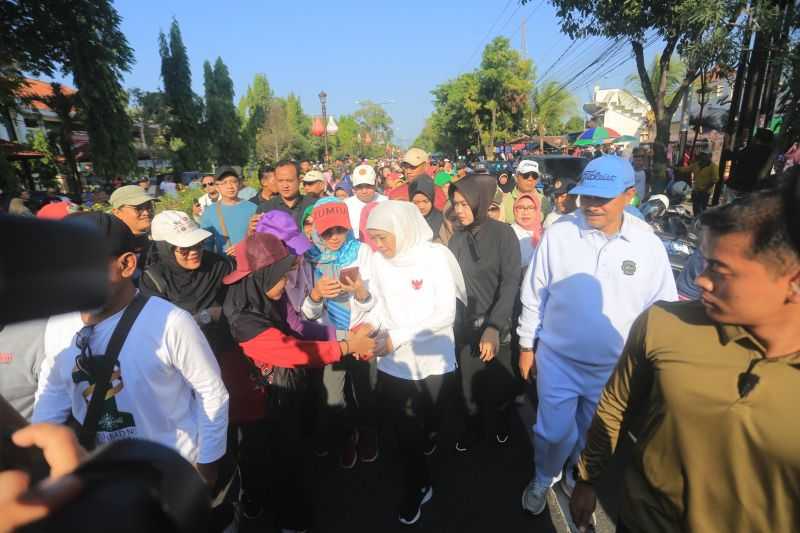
(704, 178)
(706, 458)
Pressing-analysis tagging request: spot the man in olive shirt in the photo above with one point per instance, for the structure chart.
(715, 383)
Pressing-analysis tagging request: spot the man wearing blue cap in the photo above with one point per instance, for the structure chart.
(594, 272)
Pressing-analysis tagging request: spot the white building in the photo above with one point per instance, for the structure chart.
(619, 110)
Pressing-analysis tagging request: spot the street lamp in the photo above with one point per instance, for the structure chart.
(323, 99)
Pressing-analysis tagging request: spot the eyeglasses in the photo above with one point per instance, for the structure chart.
(148, 206)
(186, 250)
(525, 208)
(208, 184)
(529, 176)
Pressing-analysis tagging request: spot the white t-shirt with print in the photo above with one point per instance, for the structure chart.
(166, 388)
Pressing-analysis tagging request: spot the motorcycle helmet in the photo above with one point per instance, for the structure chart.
(652, 209)
(679, 189)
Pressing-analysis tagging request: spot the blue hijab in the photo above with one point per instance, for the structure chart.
(329, 263)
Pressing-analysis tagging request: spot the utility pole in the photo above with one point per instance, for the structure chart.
(733, 114)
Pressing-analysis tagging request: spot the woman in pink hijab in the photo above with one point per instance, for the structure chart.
(527, 225)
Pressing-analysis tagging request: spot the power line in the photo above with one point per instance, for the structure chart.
(488, 33)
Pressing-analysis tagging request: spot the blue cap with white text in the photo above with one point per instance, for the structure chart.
(607, 177)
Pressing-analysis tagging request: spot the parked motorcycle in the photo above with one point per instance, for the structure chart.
(675, 227)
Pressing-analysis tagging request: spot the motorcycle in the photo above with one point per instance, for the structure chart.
(676, 228)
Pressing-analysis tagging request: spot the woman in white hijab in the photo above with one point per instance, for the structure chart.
(415, 284)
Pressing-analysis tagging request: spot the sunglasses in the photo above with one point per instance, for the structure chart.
(529, 176)
(185, 251)
(208, 184)
(142, 208)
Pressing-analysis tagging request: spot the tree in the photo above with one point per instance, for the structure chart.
(299, 125)
(478, 108)
(97, 55)
(702, 33)
(345, 142)
(274, 141)
(675, 75)
(549, 104)
(185, 106)
(64, 105)
(253, 109)
(374, 121)
(222, 122)
(427, 138)
(82, 38)
(151, 116)
(573, 125)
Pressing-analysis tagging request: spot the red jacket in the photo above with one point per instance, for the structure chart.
(401, 193)
(273, 347)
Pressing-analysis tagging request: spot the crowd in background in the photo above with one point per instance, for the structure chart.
(301, 319)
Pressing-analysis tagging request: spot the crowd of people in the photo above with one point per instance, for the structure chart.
(305, 318)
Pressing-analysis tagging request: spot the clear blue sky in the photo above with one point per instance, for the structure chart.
(355, 50)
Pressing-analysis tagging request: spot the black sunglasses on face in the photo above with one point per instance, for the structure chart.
(143, 207)
(208, 184)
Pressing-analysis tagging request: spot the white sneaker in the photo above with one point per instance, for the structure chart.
(567, 483)
(534, 497)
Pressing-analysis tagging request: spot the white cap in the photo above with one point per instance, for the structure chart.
(363, 175)
(177, 228)
(313, 175)
(526, 165)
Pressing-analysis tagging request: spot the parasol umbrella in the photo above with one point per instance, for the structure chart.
(625, 139)
(594, 136)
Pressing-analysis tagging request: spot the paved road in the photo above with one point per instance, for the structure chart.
(475, 492)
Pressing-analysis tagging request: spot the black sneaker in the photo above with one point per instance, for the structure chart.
(411, 509)
(368, 450)
(431, 444)
(349, 452)
(251, 509)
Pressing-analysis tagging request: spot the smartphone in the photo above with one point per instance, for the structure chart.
(350, 273)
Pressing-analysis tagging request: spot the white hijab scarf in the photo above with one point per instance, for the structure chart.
(413, 237)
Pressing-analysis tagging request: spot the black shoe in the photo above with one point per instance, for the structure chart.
(251, 509)
(411, 509)
(350, 452)
(368, 449)
(431, 445)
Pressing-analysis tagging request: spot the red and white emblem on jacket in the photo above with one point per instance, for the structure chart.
(416, 284)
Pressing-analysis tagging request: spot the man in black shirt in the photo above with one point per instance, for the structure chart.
(289, 199)
(748, 167)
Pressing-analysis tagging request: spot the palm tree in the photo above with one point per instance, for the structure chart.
(677, 71)
(550, 103)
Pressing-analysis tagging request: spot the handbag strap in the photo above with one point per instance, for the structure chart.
(103, 379)
(222, 222)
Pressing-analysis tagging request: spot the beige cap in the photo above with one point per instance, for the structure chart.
(363, 175)
(129, 195)
(313, 175)
(415, 157)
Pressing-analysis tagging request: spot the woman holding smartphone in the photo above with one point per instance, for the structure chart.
(340, 263)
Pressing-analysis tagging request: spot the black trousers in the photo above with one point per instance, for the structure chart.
(271, 464)
(699, 202)
(415, 409)
(487, 389)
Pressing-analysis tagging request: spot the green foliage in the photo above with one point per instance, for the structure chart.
(222, 121)
(574, 124)
(345, 142)
(185, 107)
(490, 104)
(703, 34)
(676, 72)
(45, 169)
(150, 115)
(373, 120)
(550, 103)
(253, 109)
(182, 201)
(427, 137)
